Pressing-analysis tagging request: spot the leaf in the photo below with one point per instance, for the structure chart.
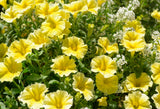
(33, 77)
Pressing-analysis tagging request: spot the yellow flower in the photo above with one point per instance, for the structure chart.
(156, 97)
(105, 44)
(83, 85)
(63, 65)
(33, 95)
(107, 85)
(104, 64)
(74, 46)
(20, 49)
(37, 2)
(156, 14)
(100, 2)
(76, 7)
(58, 100)
(45, 9)
(3, 51)
(92, 6)
(102, 101)
(24, 6)
(133, 41)
(39, 39)
(53, 26)
(142, 83)
(3, 3)
(10, 15)
(137, 100)
(155, 68)
(9, 69)
(134, 25)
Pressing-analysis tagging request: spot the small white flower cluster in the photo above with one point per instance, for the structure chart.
(120, 59)
(156, 37)
(133, 4)
(118, 35)
(148, 50)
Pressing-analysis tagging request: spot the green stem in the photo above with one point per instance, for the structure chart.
(17, 85)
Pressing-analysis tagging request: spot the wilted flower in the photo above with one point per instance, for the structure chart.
(39, 38)
(20, 49)
(10, 15)
(58, 100)
(156, 97)
(3, 51)
(143, 82)
(74, 46)
(33, 95)
(63, 65)
(92, 6)
(9, 69)
(104, 64)
(102, 101)
(107, 85)
(137, 100)
(105, 44)
(83, 85)
(100, 2)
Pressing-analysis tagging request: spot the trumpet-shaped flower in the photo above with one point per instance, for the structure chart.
(9, 69)
(58, 100)
(107, 47)
(74, 46)
(33, 95)
(20, 49)
(156, 97)
(24, 6)
(92, 6)
(3, 3)
(63, 65)
(3, 51)
(39, 39)
(137, 100)
(105, 65)
(142, 83)
(45, 9)
(156, 14)
(83, 85)
(10, 15)
(76, 7)
(102, 101)
(155, 68)
(53, 26)
(134, 25)
(107, 85)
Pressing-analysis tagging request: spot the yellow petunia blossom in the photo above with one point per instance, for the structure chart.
(63, 65)
(134, 25)
(105, 44)
(39, 39)
(141, 83)
(33, 95)
(10, 15)
(45, 9)
(53, 26)
(37, 2)
(100, 2)
(155, 68)
(83, 85)
(3, 3)
(20, 49)
(156, 97)
(24, 6)
(156, 14)
(137, 100)
(107, 85)
(104, 64)
(3, 51)
(92, 6)
(102, 101)
(74, 46)
(9, 69)
(76, 7)
(58, 100)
